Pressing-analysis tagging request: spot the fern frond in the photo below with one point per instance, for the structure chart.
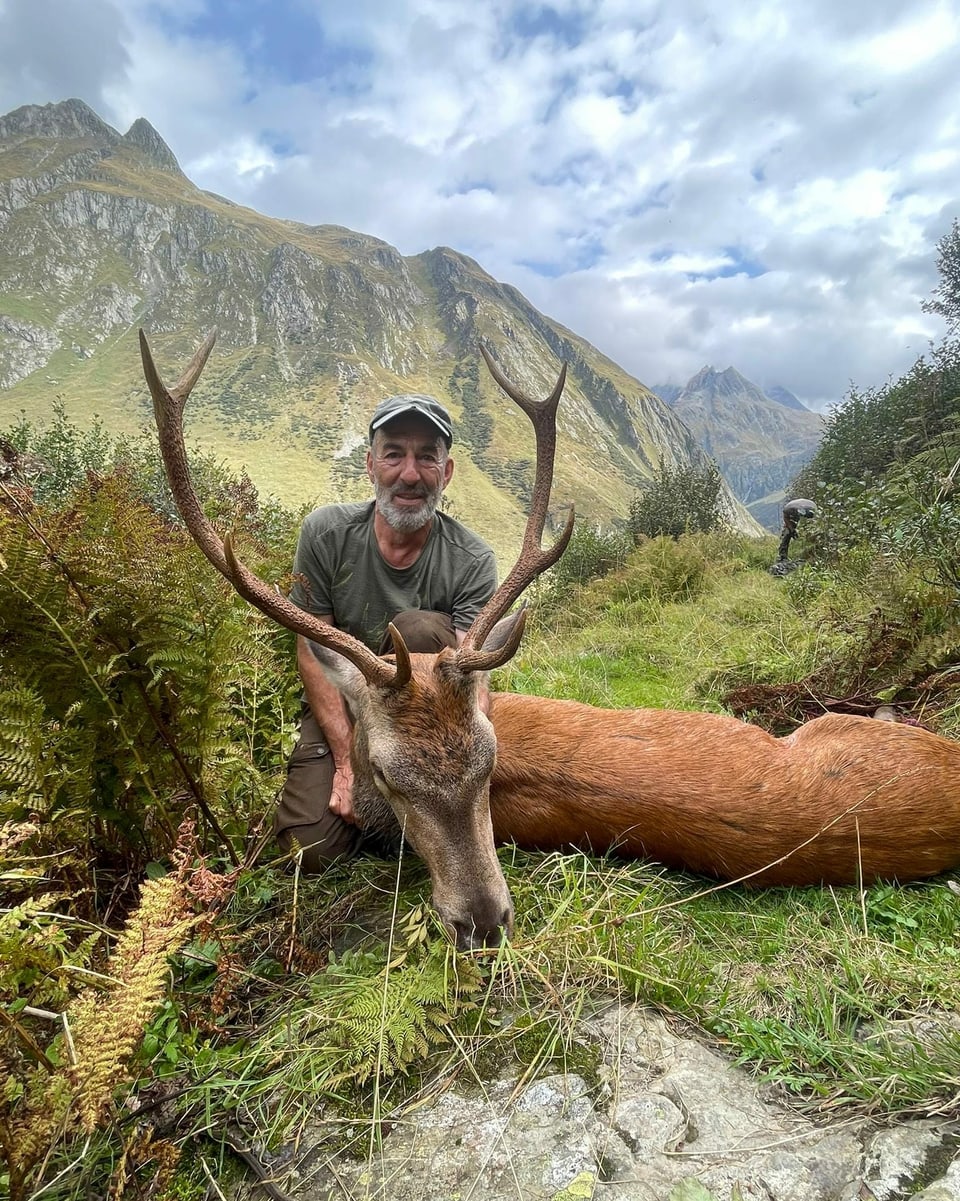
(23, 738)
(105, 1029)
(391, 1017)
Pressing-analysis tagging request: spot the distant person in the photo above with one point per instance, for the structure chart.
(794, 511)
(360, 566)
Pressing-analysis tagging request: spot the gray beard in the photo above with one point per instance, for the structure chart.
(405, 521)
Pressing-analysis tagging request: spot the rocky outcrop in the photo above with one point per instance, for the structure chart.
(68, 120)
(24, 347)
(663, 1118)
(142, 137)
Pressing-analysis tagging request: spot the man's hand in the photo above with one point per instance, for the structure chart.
(341, 796)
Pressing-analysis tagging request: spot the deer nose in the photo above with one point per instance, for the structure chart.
(471, 935)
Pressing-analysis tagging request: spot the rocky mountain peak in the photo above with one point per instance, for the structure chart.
(68, 119)
(444, 263)
(703, 381)
(783, 396)
(708, 380)
(145, 138)
(758, 441)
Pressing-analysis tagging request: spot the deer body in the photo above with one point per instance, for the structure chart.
(840, 799)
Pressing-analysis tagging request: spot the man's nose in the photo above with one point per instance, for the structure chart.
(409, 471)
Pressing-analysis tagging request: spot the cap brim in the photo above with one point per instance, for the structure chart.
(435, 421)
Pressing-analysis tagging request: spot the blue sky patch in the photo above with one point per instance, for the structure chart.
(283, 41)
(569, 29)
(581, 253)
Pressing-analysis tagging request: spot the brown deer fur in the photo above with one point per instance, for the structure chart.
(839, 800)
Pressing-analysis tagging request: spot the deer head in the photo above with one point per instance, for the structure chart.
(423, 751)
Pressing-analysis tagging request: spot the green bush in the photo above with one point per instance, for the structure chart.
(664, 569)
(913, 419)
(681, 500)
(136, 686)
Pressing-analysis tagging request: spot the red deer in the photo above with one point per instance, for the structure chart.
(840, 800)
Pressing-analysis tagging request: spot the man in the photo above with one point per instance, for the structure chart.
(360, 566)
(794, 511)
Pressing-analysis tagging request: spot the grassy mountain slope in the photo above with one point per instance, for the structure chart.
(102, 233)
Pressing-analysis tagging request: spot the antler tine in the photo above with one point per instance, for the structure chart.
(168, 414)
(168, 408)
(532, 560)
(285, 613)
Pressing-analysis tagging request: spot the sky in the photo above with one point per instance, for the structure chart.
(684, 183)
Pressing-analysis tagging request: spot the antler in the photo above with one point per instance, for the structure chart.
(532, 561)
(168, 410)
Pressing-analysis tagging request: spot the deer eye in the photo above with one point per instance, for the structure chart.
(380, 779)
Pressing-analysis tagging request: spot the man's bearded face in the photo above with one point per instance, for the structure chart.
(409, 469)
(396, 504)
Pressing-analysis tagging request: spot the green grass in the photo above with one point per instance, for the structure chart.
(636, 640)
(845, 997)
(338, 1004)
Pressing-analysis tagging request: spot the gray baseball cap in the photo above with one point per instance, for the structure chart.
(413, 402)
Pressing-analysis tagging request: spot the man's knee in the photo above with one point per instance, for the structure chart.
(321, 844)
(423, 631)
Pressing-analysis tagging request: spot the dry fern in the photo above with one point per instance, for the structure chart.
(72, 1091)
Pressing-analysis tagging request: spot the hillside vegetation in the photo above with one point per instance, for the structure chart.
(212, 1000)
(173, 996)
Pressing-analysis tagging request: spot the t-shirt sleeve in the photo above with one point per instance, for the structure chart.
(312, 577)
(475, 587)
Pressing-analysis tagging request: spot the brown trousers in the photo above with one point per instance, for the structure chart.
(303, 817)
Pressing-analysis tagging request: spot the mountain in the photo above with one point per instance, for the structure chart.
(102, 233)
(784, 397)
(759, 439)
(668, 393)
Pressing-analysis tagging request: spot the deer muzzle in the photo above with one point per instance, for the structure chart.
(483, 925)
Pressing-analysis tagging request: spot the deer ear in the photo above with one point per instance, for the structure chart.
(347, 679)
(506, 634)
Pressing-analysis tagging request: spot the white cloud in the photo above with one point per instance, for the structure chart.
(913, 42)
(241, 157)
(608, 157)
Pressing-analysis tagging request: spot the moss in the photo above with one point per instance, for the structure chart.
(580, 1188)
(531, 1047)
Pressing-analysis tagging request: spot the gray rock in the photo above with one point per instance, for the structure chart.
(945, 1189)
(669, 1120)
(894, 1157)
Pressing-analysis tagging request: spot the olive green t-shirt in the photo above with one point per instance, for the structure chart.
(340, 573)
